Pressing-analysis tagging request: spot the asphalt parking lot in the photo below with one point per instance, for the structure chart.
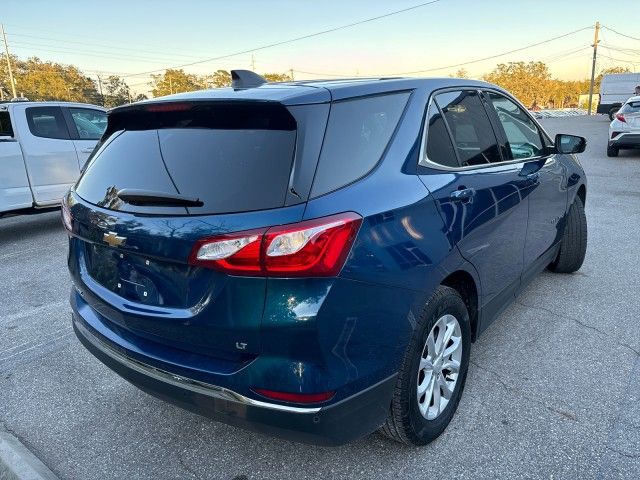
(553, 390)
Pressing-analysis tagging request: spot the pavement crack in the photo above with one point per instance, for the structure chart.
(518, 391)
(188, 468)
(627, 455)
(579, 322)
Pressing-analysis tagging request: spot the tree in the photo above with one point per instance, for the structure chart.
(116, 91)
(38, 80)
(277, 77)
(220, 78)
(174, 81)
(461, 73)
(529, 82)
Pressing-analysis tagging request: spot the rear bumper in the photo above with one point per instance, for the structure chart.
(626, 140)
(334, 424)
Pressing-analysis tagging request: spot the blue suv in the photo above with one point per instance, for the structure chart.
(313, 259)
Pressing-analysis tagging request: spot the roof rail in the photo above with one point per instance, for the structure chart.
(241, 79)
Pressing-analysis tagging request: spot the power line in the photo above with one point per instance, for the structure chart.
(445, 67)
(491, 57)
(296, 39)
(621, 34)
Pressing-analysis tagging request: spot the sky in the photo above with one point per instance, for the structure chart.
(131, 38)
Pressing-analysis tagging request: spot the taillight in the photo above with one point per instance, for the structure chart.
(620, 117)
(167, 107)
(295, 397)
(314, 248)
(67, 219)
(615, 134)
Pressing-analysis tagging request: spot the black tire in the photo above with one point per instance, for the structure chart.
(573, 245)
(612, 151)
(405, 423)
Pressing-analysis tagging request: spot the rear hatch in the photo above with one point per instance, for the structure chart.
(630, 113)
(167, 175)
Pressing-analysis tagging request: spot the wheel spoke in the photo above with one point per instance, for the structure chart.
(436, 399)
(457, 341)
(439, 342)
(447, 390)
(431, 346)
(422, 388)
(448, 334)
(425, 364)
(452, 365)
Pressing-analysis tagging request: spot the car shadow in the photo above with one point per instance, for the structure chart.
(19, 227)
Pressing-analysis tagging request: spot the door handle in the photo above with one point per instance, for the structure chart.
(463, 195)
(533, 178)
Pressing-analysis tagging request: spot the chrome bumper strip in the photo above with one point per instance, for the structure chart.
(203, 388)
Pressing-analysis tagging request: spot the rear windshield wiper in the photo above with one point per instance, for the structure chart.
(146, 197)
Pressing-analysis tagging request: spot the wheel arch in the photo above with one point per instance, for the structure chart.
(467, 286)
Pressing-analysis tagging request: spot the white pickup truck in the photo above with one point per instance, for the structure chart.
(43, 147)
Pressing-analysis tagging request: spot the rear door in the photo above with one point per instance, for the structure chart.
(480, 195)
(14, 183)
(49, 153)
(546, 178)
(86, 126)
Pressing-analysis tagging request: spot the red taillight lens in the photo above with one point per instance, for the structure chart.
(615, 134)
(67, 219)
(311, 248)
(620, 117)
(237, 254)
(295, 397)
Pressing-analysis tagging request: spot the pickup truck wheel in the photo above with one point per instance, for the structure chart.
(573, 245)
(612, 113)
(433, 372)
(612, 151)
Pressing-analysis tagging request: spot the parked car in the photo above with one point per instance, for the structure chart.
(615, 90)
(43, 146)
(624, 130)
(313, 259)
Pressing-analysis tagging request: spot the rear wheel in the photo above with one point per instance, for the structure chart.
(433, 373)
(573, 245)
(612, 151)
(612, 112)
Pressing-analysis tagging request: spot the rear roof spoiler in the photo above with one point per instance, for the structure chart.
(241, 79)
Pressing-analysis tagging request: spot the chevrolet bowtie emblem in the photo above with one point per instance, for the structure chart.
(113, 239)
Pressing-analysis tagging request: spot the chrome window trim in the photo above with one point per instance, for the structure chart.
(424, 161)
(191, 384)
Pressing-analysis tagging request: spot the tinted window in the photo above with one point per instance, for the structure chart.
(89, 123)
(5, 124)
(631, 107)
(439, 147)
(472, 133)
(230, 169)
(357, 133)
(47, 122)
(523, 136)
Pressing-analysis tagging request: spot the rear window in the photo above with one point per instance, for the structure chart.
(89, 123)
(631, 107)
(232, 158)
(358, 132)
(5, 124)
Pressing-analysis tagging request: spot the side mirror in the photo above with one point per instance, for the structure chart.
(570, 143)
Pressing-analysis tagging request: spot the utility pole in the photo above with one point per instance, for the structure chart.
(6, 49)
(593, 66)
(291, 73)
(100, 89)
(253, 63)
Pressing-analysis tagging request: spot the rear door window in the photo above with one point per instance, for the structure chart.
(522, 134)
(357, 134)
(47, 122)
(470, 127)
(232, 158)
(89, 123)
